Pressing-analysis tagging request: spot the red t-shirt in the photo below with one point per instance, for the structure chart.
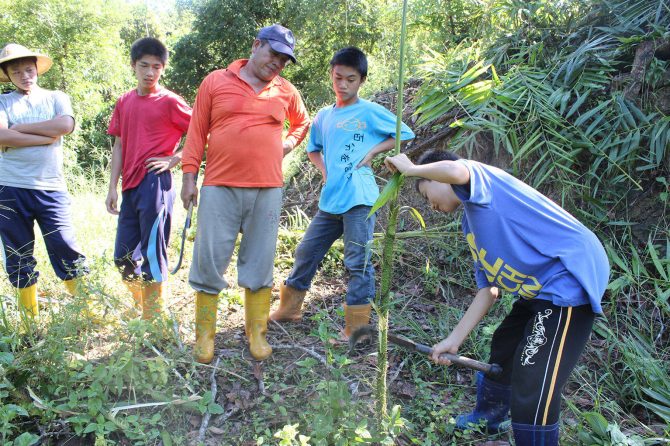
(242, 130)
(149, 126)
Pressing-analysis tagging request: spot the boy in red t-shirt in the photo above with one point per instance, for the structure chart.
(148, 123)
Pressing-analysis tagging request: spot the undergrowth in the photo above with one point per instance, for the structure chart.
(115, 379)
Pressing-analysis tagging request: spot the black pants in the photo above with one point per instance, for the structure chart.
(538, 345)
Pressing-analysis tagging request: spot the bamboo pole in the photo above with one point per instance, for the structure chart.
(383, 304)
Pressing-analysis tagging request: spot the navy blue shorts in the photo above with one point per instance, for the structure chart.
(19, 210)
(143, 232)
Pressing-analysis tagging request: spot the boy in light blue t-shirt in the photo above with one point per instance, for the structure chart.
(344, 139)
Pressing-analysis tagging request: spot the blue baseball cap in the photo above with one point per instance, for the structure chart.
(280, 39)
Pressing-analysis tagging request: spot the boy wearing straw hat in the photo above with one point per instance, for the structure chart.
(32, 187)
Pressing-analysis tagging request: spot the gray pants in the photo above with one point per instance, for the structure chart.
(223, 213)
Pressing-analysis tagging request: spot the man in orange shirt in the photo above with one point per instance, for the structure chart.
(239, 116)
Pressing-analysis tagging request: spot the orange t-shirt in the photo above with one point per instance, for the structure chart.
(242, 129)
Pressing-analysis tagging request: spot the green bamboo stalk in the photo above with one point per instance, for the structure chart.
(389, 246)
(401, 79)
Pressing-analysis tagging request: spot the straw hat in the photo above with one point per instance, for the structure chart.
(14, 51)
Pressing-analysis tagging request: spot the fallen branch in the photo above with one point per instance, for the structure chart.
(281, 328)
(420, 147)
(353, 387)
(114, 410)
(46, 434)
(221, 369)
(310, 352)
(205, 419)
(397, 372)
(41, 405)
(351, 383)
(417, 147)
(181, 378)
(643, 56)
(221, 418)
(175, 328)
(257, 370)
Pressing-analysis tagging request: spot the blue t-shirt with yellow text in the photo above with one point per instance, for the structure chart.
(345, 135)
(524, 243)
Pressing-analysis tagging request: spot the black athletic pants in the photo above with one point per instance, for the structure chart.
(538, 345)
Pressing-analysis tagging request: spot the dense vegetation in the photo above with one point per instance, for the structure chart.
(572, 96)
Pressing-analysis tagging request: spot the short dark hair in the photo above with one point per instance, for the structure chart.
(433, 156)
(351, 57)
(4, 66)
(148, 46)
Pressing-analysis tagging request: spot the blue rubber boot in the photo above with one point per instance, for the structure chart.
(492, 405)
(533, 435)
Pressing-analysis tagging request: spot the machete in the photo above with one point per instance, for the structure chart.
(187, 225)
(490, 370)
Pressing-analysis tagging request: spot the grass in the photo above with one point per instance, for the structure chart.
(124, 381)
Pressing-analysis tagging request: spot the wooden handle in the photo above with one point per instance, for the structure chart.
(490, 370)
(189, 214)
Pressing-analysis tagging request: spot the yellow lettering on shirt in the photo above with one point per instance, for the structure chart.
(503, 275)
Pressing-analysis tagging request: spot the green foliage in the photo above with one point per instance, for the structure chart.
(82, 38)
(221, 32)
(634, 358)
(654, 74)
(90, 394)
(225, 30)
(431, 277)
(76, 377)
(599, 432)
(658, 399)
(550, 107)
(440, 23)
(537, 78)
(10, 414)
(287, 436)
(333, 416)
(325, 27)
(389, 193)
(290, 236)
(337, 422)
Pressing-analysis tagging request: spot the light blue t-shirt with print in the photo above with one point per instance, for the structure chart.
(38, 167)
(344, 135)
(524, 243)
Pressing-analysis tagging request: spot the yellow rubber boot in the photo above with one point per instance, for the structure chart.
(205, 326)
(355, 316)
(28, 302)
(152, 300)
(73, 286)
(290, 304)
(256, 311)
(135, 288)
(76, 289)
